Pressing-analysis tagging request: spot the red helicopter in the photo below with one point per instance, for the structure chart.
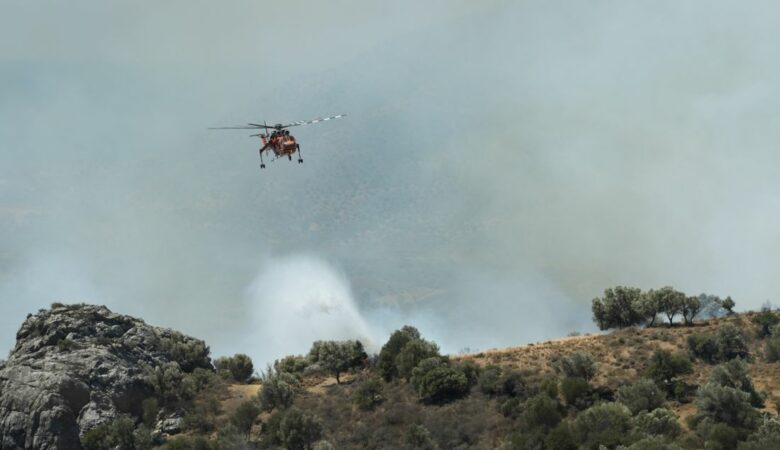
(280, 140)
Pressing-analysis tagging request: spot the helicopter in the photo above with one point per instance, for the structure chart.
(280, 141)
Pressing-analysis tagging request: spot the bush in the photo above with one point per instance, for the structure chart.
(723, 404)
(731, 343)
(472, 371)
(338, 356)
(238, 368)
(703, 346)
(489, 381)
(653, 443)
(120, 433)
(605, 424)
(766, 320)
(658, 422)
(244, 416)
(391, 349)
(773, 345)
(435, 380)
(292, 364)
(368, 394)
(735, 374)
(643, 395)
(167, 381)
(419, 438)
(766, 437)
(411, 354)
(560, 438)
(575, 391)
(577, 364)
(189, 353)
(297, 430)
(665, 367)
(278, 390)
(149, 409)
(541, 411)
(724, 437)
(512, 383)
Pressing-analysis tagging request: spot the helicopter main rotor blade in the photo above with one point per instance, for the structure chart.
(235, 128)
(261, 126)
(308, 122)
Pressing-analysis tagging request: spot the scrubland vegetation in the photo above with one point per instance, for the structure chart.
(675, 372)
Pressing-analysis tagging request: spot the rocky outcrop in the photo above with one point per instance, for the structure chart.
(75, 367)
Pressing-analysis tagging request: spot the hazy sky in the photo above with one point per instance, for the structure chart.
(501, 164)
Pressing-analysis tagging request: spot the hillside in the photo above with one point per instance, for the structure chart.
(618, 389)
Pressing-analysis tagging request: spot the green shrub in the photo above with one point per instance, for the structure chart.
(149, 409)
(368, 394)
(766, 320)
(605, 424)
(418, 437)
(435, 380)
(489, 381)
(244, 416)
(703, 346)
(412, 353)
(767, 436)
(658, 422)
(643, 395)
(577, 364)
(653, 443)
(731, 343)
(187, 352)
(575, 391)
(513, 384)
(773, 345)
(472, 371)
(391, 349)
(560, 438)
(723, 404)
(297, 430)
(292, 364)
(338, 357)
(665, 367)
(238, 367)
(278, 390)
(541, 411)
(724, 437)
(121, 433)
(735, 374)
(167, 381)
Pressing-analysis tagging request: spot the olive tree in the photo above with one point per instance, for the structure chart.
(337, 357)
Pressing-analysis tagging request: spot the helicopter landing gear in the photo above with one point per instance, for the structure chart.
(262, 164)
(289, 157)
(300, 158)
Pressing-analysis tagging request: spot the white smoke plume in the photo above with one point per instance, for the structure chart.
(296, 300)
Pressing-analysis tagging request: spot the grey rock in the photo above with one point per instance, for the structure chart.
(75, 367)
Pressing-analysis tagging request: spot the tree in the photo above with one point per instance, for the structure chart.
(650, 306)
(419, 438)
(619, 308)
(577, 364)
(391, 349)
(643, 395)
(691, 307)
(337, 356)
(435, 380)
(671, 302)
(412, 353)
(665, 367)
(703, 346)
(728, 304)
(766, 319)
(244, 416)
(773, 345)
(575, 390)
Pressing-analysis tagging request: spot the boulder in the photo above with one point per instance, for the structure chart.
(75, 367)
